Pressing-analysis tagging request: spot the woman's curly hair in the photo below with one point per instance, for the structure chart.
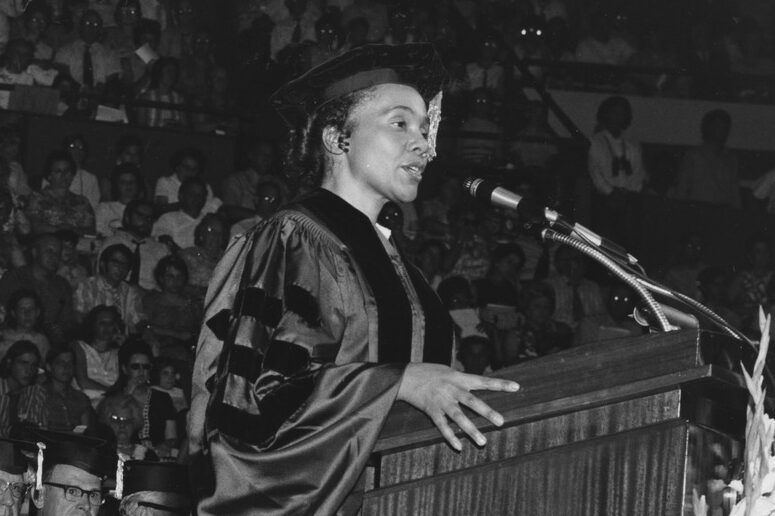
(305, 156)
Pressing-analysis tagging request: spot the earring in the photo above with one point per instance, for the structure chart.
(343, 142)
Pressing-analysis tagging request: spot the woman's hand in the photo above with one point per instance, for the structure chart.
(439, 390)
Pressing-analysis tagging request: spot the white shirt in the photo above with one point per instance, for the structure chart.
(168, 186)
(151, 252)
(109, 215)
(602, 151)
(764, 188)
(179, 225)
(105, 62)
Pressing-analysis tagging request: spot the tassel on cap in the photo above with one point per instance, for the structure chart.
(39, 471)
(119, 491)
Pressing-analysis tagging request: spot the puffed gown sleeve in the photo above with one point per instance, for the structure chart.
(287, 398)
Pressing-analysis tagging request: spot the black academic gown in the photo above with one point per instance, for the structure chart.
(307, 332)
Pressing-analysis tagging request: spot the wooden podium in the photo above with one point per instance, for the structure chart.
(621, 427)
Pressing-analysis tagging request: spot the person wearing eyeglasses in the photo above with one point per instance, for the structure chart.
(73, 469)
(15, 476)
(158, 431)
(268, 199)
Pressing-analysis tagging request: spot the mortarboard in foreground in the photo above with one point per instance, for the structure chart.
(16, 456)
(87, 453)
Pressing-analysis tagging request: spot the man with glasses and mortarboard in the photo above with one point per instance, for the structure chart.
(154, 488)
(73, 468)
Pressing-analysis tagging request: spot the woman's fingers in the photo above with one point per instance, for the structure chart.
(482, 408)
(440, 420)
(465, 424)
(484, 383)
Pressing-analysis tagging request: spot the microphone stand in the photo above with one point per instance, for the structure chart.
(618, 271)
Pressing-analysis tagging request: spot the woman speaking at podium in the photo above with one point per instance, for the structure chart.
(315, 323)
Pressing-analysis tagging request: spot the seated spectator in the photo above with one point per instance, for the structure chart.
(65, 21)
(764, 189)
(34, 27)
(173, 315)
(534, 145)
(40, 275)
(19, 69)
(106, 9)
(136, 72)
(238, 190)
(158, 431)
(430, 259)
(748, 290)
(86, 60)
(18, 369)
(527, 38)
(501, 284)
(457, 297)
(486, 71)
(71, 105)
(13, 225)
(601, 46)
(617, 322)
(399, 27)
(184, 163)
(84, 183)
(616, 167)
(475, 354)
(74, 267)
(219, 107)
(135, 233)
(196, 67)
(210, 239)
(487, 149)
(163, 88)
(268, 200)
(179, 225)
(375, 13)
(713, 284)
(109, 288)
(177, 39)
(56, 207)
(23, 321)
(120, 37)
(709, 173)
(435, 210)
(165, 379)
(10, 145)
(55, 404)
(129, 148)
(126, 185)
(124, 417)
(688, 263)
(294, 23)
(15, 473)
(575, 297)
(96, 355)
(468, 254)
(328, 38)
(539, 333)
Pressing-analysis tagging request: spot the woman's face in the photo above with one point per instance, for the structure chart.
(172, 280)
(63, 368)
(77, 150)
(24, 369)
(128, 189)
(167, 378)
(105, 327)
(117, 266)
(138, 369)
(26, 312)
(122, 422)
(61, 175)
(388, 144)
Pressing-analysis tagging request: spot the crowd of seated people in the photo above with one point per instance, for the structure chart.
(103, 273)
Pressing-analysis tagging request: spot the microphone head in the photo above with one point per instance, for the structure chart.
(478, 188)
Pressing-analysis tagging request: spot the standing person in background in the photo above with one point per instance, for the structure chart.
(617, 171)
(709, 173)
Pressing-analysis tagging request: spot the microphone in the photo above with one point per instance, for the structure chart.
(489, 193)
